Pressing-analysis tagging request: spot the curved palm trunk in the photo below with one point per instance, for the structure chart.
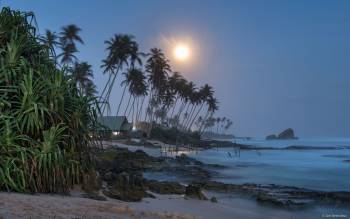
(194, 118)
(182, 107)
(148, 105)
(121, 100)
(141, 106)
(204, 121)
(104, 89)
(131, 107)
(184, 119)
(190, 116)
(137, 110)
(171, 116)
(108, 94)
(126, 109)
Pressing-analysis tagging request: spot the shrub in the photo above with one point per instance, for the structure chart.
(45, 122)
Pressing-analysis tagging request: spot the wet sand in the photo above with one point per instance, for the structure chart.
(20, 206)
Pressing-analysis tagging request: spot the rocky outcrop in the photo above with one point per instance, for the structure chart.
(271, 137)
(194, 192)
(285, 135)
(127, 187)
(122, 171)
(165, 187)
(282, 196)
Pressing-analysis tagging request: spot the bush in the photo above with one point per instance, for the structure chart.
(45, 122)
(174, 136)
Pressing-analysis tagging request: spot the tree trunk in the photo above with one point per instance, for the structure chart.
(127, 105)
(195, 116)
(121, 100)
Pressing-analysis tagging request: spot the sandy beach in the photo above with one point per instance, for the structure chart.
(23, 206)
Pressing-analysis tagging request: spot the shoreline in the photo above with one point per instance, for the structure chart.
(43, 206)
(251, 201)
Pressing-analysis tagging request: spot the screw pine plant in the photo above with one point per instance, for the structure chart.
(45, 120)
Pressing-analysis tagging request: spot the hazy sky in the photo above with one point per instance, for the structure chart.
(273, 64)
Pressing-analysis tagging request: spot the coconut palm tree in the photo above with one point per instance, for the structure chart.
(123, 50)
(192, 98)
(158, 70)
(69, 36)
(50, 40)
(175, 85)
(212, 107)
(205, 95)
(82, 75)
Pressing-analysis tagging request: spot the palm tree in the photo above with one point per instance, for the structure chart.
(122, 50)
(191, 93)
(175, 85)
(134, 79)
(67, 55)
(50, 40)
(212, 107)
(158, 69)
(82, 74)
(70, 35)
(68, 38)
(205, 95)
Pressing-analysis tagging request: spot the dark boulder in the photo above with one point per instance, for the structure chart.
(214, 199)
(166, 187)
(194, 191)
(127, 187)
(271, 137)
(287, 134)
(91, 182)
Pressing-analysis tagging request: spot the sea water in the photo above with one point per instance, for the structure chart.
(326, 170)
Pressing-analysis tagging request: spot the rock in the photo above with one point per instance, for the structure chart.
(94, 196)
(166, 187)
(271, 137)
(185, 160)
(91, 182)
(213, 199)
(127, 187)
(265, 198)
(194, 191)
(287, 134)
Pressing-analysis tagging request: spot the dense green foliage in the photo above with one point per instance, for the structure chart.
(174, 135)
(45, 118)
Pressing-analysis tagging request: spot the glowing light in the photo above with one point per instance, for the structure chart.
(181, 52)
(116, 133)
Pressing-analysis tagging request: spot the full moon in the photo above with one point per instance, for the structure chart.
(181, 52)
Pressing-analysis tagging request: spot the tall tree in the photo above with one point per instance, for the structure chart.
(51, 41)
(122, 50)
(82, 75)
(69, 36)
(158, 70)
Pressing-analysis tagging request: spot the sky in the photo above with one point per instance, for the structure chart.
(274, 64)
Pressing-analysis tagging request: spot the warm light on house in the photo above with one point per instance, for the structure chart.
(116, 133)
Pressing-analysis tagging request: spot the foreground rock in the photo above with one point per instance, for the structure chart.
(285, 135)
(195, 192)
(283, 196)
(127, 187)
(122, 172)
(166, 187)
